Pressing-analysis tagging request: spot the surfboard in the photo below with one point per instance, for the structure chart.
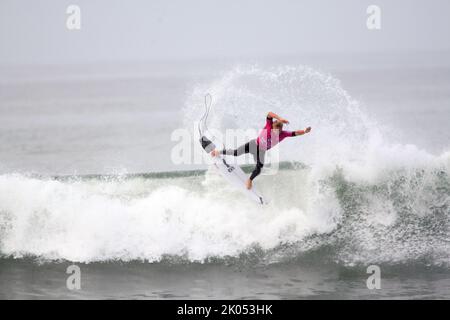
(232, 173)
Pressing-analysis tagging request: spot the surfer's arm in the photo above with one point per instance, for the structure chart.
(272, 115)
(301, 132)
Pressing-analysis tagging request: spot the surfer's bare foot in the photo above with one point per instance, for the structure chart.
(214, 153)
(249, 184)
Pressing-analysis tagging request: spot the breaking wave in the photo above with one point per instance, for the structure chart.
(342, 191)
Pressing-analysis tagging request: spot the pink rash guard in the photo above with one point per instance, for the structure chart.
(268, 137)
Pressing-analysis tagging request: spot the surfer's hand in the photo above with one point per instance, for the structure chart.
(284, 121)
(307, 129)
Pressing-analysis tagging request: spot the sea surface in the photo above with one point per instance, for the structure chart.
(91, 176)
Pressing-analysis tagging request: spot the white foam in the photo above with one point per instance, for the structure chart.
(82, 221)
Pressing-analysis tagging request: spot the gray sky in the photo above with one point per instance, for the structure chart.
(114, 30)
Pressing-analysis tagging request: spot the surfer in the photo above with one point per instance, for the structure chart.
(270, 136)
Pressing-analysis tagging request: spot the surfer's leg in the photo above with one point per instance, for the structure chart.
(259, 158)
(245, 148)
(255, 173)
(258, 155)
(257, 170)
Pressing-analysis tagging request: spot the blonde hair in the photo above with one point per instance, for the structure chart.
(278, 125)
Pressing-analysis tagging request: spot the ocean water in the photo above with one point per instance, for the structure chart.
(87, 177)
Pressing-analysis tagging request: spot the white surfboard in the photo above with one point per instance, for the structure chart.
(232, 173)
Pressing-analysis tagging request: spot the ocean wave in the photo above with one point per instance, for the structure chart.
(402, 218)
(357, 198)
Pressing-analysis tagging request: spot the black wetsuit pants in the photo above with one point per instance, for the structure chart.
(249, 147)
